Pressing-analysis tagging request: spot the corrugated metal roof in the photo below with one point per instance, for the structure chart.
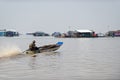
(84, 30)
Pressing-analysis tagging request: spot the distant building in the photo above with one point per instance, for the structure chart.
(110, 33)
(100, 35)
(40, 34)
(8, 33)
(56, 34)
(71, 34)
(117, 33)
(75, 34)
(85, 33)
(2, 32)
(113, 33)
(11, 34)
(29, 33)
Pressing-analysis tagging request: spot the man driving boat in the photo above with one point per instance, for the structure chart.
(32, 46)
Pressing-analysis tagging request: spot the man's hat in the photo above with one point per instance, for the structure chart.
(33, 41)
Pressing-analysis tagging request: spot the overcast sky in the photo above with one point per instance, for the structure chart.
(59, 15)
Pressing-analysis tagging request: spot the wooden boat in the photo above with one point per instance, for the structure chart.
(45, 48)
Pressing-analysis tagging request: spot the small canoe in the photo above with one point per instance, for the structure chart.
(45, 48)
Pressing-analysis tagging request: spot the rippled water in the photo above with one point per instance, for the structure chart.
(77, 59)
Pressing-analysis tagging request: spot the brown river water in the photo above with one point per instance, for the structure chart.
(76, 59)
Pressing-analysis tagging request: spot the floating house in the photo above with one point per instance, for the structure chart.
(56, 34)
(8, 33)
(100, 35)
(2, 32)
(113, 33)
(117, 33)
(29, 33)
(76, 34)
(71, 34)
(40, 34)
(85, 33)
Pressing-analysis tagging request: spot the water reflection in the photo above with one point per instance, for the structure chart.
(52, 53)
(48, 60)
(32, 63)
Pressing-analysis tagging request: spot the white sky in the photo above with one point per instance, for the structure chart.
(59, 15)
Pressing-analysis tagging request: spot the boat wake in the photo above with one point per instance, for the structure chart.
(9, 51)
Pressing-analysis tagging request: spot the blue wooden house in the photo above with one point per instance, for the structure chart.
(2, 32)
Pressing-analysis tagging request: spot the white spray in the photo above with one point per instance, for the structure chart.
(9, 50)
